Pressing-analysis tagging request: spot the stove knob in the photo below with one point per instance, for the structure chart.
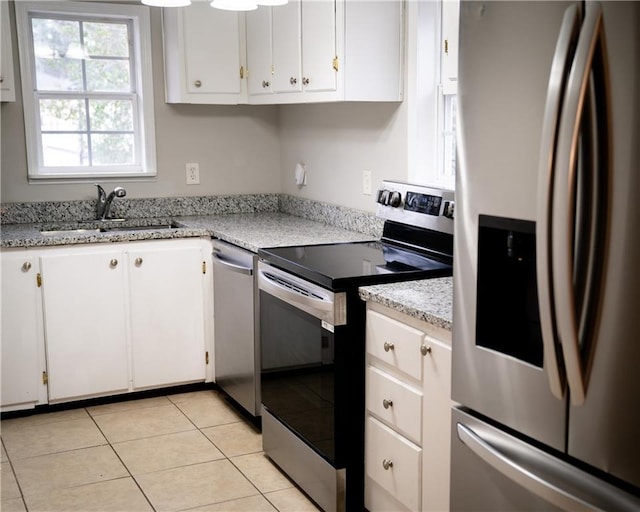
(448, 209)
(395, 199)
(383, 197)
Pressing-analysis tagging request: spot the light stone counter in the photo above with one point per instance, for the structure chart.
(251, 231)
(429, 300)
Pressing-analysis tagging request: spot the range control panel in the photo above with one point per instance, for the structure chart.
(416, 205)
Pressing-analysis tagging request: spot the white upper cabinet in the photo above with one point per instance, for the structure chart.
(204, 53)
(7, 86)
(450, 22)
(259, 55)
(304, 51)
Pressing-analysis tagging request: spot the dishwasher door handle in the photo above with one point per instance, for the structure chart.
(239, 269)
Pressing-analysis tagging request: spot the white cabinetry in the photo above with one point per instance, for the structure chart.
(259, 52)
(204, 55)
(85, 321)
(408, 413)
(7, 85)
(22, 339)
(337, 50)
(123, 317)
(167, 314)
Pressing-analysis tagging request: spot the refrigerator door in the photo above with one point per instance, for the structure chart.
(506, 54)
(493, 470)
(604, 430)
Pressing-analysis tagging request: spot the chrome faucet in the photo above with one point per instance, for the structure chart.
(103, 206)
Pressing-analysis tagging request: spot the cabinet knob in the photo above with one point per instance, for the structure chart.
(305, 80)
(1, 79)
(197, 83)
(138, 262)
(387, 464)
(425, 349)
(265, 84)
(113, 263)
(387, 403)
(26, 266)
(388, 346)
(293, 80)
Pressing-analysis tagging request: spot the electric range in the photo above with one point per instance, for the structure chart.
(312, 337)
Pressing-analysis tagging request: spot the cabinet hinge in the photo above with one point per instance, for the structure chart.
(45, 378)
(204, 267)
(206, 357)
(446, 46)
(241, 72)
(335, 63)
(39, 279)
(273, 69)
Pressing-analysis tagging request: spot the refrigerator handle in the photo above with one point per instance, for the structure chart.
(555, 481)
(563, 205)
(558, 75)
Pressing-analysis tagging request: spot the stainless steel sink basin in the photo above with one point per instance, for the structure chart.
(138, 228)
(108, 229)
(60, 232)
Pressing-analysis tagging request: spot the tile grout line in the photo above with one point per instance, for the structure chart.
(121, 461)
(15, 477)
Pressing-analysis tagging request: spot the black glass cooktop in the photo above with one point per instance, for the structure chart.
(343, 265)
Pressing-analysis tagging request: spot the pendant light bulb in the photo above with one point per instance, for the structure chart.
(167, 3)
(235, 5)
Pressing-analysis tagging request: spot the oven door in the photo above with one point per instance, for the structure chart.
(299, 324)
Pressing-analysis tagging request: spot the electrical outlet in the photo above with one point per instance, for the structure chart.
(193, 174)
(366, 182)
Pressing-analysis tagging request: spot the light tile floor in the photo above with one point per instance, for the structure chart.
(187, 451)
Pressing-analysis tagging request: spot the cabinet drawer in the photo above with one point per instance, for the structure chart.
(395, 343)
(403, 409)
(402, 478)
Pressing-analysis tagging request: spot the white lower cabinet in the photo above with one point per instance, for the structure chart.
(407, 428)
(111, 318)
(85, 321)
(22, 341)
(167, 315)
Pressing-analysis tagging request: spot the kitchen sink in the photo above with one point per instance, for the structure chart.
(108, 229)
(59, 232)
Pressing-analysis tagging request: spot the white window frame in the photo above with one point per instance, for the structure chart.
(142, 75)
(429, 24)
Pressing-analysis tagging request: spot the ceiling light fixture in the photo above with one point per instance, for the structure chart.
(235, 5)
(167, 3)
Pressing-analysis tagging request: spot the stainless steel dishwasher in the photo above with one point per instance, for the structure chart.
(237, 361)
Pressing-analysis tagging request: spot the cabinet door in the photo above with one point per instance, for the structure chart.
(85, 329)
(436, 440)
(259, 62)
(22, 342)
(204, 54)
(287, 43)
(318, 46)
(167, 324)
(7, 89)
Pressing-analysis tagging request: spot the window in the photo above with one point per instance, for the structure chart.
(87, 89)
(432, 123)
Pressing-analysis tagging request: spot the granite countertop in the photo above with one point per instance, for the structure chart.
(427, 299)
(251, 231)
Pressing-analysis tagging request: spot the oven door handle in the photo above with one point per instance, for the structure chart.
(331, 309)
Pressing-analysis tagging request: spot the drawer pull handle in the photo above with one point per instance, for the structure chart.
(113, 263)
(26, 266)
(138, 262)
(425, 349)
(387, 464)
(388, 346)
(387, 403)
(293, 80)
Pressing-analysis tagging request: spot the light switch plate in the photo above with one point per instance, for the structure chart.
(366, 182)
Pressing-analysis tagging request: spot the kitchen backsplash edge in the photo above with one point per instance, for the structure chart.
(73, 211)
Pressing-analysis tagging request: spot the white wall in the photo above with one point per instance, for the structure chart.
(237, 147)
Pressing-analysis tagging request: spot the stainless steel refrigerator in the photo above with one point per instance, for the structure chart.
(546, 319)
